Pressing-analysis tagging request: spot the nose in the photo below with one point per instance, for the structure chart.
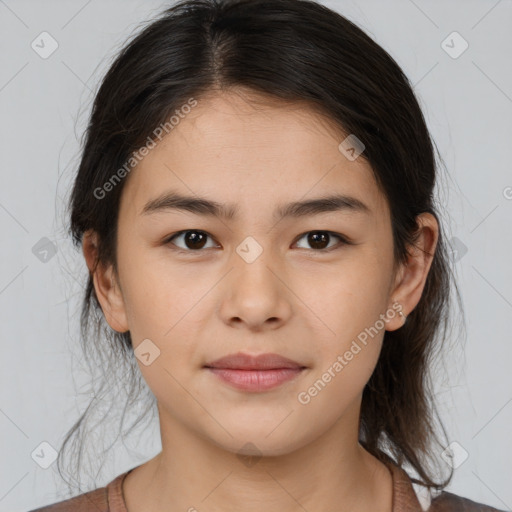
(255, 296)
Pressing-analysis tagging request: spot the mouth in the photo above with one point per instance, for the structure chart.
(255, 373)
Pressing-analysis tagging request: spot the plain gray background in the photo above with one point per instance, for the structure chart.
(44, 104)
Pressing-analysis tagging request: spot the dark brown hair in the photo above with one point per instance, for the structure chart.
(292, 51)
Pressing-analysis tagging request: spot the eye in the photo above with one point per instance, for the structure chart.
(319, 239)
(193, 239)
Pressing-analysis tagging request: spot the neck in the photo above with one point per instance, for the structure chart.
(334, 472)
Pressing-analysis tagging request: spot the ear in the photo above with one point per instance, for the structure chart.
(105, 283)
(411, 277)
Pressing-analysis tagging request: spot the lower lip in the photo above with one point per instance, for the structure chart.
(256, 380)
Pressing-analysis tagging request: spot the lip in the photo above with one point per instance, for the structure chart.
(255, 373)
(242, 361)
(256, 380)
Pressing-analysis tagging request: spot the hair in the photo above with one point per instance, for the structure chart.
(295, 52)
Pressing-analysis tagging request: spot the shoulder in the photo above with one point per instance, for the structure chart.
(407, 496)
(448, 502)
(104, 499)
(92, 501)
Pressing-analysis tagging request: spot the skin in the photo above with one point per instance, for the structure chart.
(293, 300)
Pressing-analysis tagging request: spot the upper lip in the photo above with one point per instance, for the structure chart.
(241, 361)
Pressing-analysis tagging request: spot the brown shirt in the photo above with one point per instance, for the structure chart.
(110, 499)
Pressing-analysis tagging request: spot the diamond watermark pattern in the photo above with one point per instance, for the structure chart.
(457, 248)
(44, 455)
(44, 250)
(454, 455)
(249, 460)
(44, 45)
(351, 147)
(249, 250)
(454, 45)
(146, 352)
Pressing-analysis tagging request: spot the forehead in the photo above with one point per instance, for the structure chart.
(245, 148)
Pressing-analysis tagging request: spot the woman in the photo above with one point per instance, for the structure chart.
(255, 207)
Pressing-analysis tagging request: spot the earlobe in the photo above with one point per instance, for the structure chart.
(107, 290)
(395, 316)
(413, 274)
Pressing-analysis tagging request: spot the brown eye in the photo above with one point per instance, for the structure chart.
(319, 240)
(193, 240)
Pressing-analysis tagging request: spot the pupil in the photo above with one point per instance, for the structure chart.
(193, 237)
(314, 239)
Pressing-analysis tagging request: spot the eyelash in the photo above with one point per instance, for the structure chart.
(343, 240)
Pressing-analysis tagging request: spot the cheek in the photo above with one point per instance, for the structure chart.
(159, 294)
(165, 304)
(335, 389)
(346, 299)
(348, 340)
(349, 329)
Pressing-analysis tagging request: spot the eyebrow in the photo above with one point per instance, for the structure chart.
(202, 206)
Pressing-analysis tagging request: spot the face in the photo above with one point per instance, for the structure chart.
(200, 284)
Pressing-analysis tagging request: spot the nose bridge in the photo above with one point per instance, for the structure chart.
(252, 266)
(255, 292)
